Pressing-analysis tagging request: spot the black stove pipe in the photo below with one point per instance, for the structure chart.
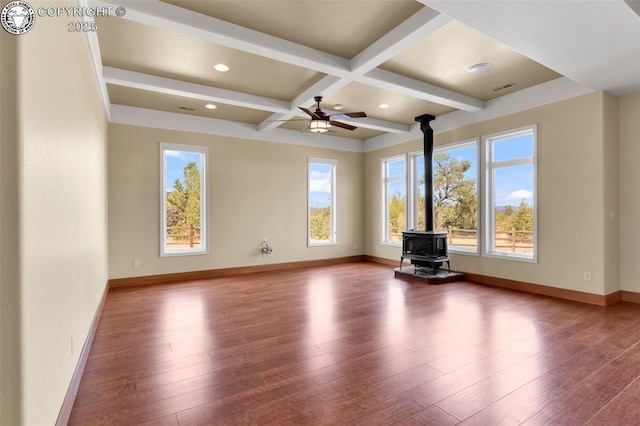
(427, 133)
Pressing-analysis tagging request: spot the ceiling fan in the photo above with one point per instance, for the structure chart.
(320, 121)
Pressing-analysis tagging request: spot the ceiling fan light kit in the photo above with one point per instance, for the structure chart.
(319, 126)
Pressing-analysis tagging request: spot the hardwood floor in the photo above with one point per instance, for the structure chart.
(350, 344)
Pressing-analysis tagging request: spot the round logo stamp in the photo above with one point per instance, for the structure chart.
(17, 17)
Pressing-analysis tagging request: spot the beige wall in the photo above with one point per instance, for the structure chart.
(571, 201)
(257, 190)
(59, 212)
(629, 192)
(10, 347)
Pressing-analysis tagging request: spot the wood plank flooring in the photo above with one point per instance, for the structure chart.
(351, 345)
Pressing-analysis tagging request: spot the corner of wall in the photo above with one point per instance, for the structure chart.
(611, 192)
(10, 295)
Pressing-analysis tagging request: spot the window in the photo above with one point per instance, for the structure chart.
(455, 190)
(394, 185)
(322, 202)
(417, 191)
(183, 199)
(511, 194)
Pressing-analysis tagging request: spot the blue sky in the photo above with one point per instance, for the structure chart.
(176, 161)
(319, 185)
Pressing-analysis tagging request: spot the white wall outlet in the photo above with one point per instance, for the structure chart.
(135, 264)
(587, 275)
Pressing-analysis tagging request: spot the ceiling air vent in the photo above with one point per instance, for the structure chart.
(184, 108)
(506, 86)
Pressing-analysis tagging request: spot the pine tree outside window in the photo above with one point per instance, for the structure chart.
(183, 200)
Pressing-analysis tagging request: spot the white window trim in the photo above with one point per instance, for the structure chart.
(412, 186)
(204, 199)
(489, 195)
(334, 202)
(479, 233)
(384, 204)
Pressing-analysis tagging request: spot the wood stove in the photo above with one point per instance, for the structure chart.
(426, 248)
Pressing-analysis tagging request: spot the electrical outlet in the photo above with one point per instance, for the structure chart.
(587, 275)
(135, 264)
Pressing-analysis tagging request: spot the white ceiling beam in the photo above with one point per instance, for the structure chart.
(142, 117)
(280, 108)
(96, 62)
(421, 90)
(418, 26)
(169, 86)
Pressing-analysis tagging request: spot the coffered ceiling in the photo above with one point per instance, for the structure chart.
(156, 62)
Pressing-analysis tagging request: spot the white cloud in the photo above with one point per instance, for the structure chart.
(173, 153)
(320, 182)
(520, 194)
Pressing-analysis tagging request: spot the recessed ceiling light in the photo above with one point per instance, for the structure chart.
(478, 68)
(384, 106)
(338, 107)
(210, 106)
(221, 67)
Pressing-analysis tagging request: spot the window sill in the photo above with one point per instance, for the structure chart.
(183, 253)
(328, 243)
(511, 256)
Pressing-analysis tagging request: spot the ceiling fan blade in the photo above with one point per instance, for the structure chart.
(306, 128)
(311, 114)
(342, 125)
(349, 115)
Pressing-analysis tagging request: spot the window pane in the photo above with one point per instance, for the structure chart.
(514, 209)
(396, 168)
(455, 192)
(514, 147)
(420, 193)
(183, 204)
(396, 210)
(321, 202)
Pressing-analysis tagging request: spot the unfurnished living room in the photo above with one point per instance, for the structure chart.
(305, 212)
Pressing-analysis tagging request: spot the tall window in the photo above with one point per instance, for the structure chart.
(511, 193)
(322, 201)
(183, 199)
(455, 193)
(417, 191)
(394, 180)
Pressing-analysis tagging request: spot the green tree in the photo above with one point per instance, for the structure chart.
(522, 219)
(504, 219)
(183, 203)
(455, 200)
(397, 215)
